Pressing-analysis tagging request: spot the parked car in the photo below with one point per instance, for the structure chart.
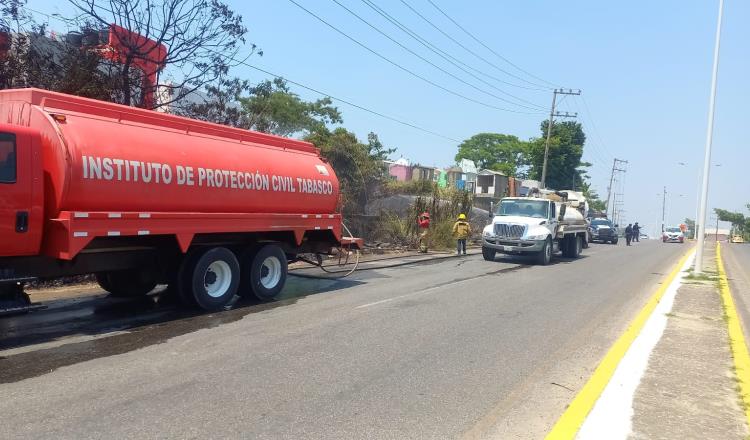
(644, 236)
(602, 230)
(737, 239)
(673, 235)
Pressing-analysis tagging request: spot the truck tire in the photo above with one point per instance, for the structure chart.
(127, 283)
(576, 245)
(268, 271)
(209, 278)
(614, 241)
(545, 255)
(488, 254)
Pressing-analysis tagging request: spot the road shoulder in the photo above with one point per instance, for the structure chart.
(690, 389)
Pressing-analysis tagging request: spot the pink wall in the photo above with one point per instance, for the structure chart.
(400, 172)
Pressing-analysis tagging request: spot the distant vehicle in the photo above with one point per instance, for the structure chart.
(673, 235)
(645, 236)
(602, 230)
(737, 239)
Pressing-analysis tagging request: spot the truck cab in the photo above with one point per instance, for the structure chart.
(21, 197)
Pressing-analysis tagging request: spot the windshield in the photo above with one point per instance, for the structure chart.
(673, 230)
(601, 222)
(523, 208)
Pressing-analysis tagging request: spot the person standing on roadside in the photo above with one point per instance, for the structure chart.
(628, 234)
(461, 232)
(424, 225)
(636, 232)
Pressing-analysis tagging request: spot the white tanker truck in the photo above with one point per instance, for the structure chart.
(543, 223)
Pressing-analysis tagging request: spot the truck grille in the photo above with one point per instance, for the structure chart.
(509, 231)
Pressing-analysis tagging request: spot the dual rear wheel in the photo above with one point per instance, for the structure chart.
(209, 278)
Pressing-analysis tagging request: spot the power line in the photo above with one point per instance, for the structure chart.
(536, 107)
(467, 49)
(487, 47)
(399, 66)
(443, 54)
(298, 84)
(593, 125)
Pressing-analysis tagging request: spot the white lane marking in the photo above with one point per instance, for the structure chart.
(426, 291)
(612, 415)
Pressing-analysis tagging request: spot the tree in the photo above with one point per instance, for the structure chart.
(564, 167)
(358, 166)
(690, 223)
(273, 108)
(739, 222)
(202, 40)
(269, 107)
(31, 58)
(495, 151)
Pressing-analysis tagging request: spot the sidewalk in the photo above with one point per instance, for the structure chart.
(681, 370)
(690, 388)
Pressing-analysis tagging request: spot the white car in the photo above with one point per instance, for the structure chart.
(673, 235)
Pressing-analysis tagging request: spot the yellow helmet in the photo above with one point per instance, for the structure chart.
(462, 216)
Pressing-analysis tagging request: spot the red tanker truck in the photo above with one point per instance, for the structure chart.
(141, 198)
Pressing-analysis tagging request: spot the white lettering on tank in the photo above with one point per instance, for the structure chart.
(135, 165)
(146, 177)
(118, 163)
(96, 167)
(85, 163)
(109, 172)
(201, 175)
(190, 178)
(210, 177)
(166, 174)
(127, 170)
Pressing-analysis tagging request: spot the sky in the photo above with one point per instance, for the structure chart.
(644, 69)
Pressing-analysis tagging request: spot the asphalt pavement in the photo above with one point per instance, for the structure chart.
(737, 261)
(443, 349)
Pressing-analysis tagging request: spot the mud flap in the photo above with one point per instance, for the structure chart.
(13, 300)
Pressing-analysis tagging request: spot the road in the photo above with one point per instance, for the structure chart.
(737, 264)
(448, 349)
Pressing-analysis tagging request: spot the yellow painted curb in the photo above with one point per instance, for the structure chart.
(736, 336)
(570, 422)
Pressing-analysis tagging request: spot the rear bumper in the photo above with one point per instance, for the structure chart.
(512, 246)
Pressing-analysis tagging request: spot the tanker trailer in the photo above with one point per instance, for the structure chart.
(141, 198)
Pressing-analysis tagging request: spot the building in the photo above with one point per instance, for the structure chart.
(493, 184)
(420, 172)
(463, 175)
(399, 170)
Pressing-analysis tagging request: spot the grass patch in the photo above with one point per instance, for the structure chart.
(701, 277)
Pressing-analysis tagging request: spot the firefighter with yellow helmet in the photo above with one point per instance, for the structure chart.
(461, 232)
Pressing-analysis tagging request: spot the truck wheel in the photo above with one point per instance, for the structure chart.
(614, 241)
(576, 244)
(127, 283)
(209, 278)
(268, 271)
(545, 255)
(488, 254)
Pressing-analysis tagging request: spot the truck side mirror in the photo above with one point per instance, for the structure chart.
(562, 212)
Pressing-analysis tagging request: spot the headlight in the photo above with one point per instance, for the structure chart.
(537, 237)
(487, 233)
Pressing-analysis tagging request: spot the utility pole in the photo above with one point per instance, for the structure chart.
(611, 180)
(551, 123)
(663, 208)
(709, 141)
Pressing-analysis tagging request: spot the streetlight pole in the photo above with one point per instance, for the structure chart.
(663, 208)
(709, 139)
